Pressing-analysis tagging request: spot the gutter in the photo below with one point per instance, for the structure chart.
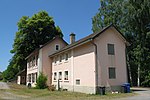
(96, 65)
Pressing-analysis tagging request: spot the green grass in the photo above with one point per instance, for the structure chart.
(24, 92)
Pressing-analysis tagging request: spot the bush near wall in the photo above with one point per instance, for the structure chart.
(41, 81)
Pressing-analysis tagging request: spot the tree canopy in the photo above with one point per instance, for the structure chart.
(32, 32)
(132, 17)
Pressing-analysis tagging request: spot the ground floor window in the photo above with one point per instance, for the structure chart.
(60, 75)
(33, 77)
(77, 81)
(66, 75)
(112, 73)
(29, 77)
(55, 75)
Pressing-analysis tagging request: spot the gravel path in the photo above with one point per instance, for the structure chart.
(143, 94)
(4, 85)
(6, 95)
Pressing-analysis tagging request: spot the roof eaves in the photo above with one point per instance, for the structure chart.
(70, 47)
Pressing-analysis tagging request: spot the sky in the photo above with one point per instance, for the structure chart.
(70, 15)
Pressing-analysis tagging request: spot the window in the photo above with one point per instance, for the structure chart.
(57, 47)
(34, 61)
(28, 64)
(60, 58)
(23, 77)
(37, 60)
(77, 81)
(55, 60)
(66, 75)
(60, 75)
(112, 73)
(33, 77)
(111, 50)
(55, 75)
(66, 56)
(36, 76)
(29, 77)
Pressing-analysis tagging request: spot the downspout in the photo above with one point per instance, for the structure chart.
(96, 66)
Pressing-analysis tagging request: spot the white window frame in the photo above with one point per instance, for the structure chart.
(66, 79)
(60, 77)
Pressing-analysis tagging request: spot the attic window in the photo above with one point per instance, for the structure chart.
(57, 47)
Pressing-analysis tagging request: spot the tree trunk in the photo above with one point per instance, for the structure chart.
(138, 78)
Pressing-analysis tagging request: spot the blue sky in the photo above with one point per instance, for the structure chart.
(71, 15)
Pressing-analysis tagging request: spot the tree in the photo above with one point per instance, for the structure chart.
(138, 21)
(110, 12)
(132, 18)
(32, 32)
(1, 76)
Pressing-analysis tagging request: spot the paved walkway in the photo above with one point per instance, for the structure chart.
(4, 85)
(143, 94)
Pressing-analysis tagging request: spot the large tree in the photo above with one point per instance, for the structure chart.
(132, 17)
(32, 32)
(138, 22)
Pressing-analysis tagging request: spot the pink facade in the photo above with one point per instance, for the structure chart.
(91, 66)
(42, 62)
(117, 61)
(85, 65)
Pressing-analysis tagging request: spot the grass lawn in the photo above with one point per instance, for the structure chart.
(22, 92)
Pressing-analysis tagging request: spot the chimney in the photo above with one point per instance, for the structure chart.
(72, 38)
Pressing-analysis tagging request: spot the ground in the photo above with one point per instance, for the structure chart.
(19, 92)
(143, 94)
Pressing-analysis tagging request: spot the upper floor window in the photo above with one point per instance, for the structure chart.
(112, 73)
(66, 56)
(57, 47)
(111, 50)
(37, 60)
(55, 59)
(60, 58)
(33, 61)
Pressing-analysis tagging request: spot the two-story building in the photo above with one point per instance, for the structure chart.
(84, 65)
(39, 61)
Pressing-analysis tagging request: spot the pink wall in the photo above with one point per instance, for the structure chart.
(105, 61)
(46, 61)
(84, 65)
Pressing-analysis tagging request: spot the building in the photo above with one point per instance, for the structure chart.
(95, 61)
(21, 77)
(39, 61)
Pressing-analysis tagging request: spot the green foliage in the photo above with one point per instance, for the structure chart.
(32, 32)
(1, 76)
(41, 81)
(110, 12)
(132, 17)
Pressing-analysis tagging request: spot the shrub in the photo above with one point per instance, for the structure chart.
(41, 81)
